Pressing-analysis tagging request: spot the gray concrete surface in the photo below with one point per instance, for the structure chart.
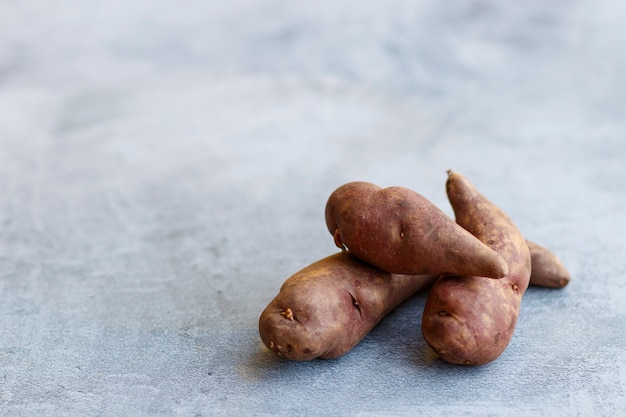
(164, 168)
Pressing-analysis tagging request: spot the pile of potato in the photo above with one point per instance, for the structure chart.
(395, 243)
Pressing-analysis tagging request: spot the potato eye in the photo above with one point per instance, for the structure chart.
(288, 314)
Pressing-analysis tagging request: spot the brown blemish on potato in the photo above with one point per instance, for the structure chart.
(355, 303)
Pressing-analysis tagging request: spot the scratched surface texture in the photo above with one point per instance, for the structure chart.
(164, 167)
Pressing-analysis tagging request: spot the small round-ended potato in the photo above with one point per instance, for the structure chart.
(325, 309)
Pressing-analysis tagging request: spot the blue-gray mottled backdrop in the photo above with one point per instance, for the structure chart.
(164, 167)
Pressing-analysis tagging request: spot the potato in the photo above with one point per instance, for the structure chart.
(547, 269)
(469, 319)
(326, 308)
(400, 231)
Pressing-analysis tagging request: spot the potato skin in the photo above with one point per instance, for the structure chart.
(547, 269)
(468, 319)
(400, 231)
(325, 309)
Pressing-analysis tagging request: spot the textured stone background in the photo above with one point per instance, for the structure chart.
(164, 168)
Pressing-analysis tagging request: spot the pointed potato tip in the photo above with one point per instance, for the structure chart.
(497, 271)
(503, 272)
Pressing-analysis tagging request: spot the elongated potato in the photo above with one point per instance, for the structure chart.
(339, 268)
(400, 231)
(325, 309)
(468, 319)
(547, 269)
